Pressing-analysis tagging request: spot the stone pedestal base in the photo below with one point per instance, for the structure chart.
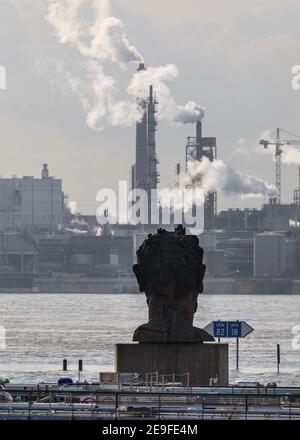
(203, 361)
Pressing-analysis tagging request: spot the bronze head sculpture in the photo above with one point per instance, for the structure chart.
(170, 271)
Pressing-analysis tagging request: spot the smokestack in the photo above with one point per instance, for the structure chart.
(198, 132)
(132, 176)
(151, 94)
(141, 67)
(151, 142)
(141, 171)
(178, 174)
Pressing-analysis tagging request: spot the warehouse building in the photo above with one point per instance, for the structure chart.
(32, 204)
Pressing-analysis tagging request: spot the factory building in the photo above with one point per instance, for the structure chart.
(31, 204)
(18, 253)
(52, 251)
(86, 254)
(101, 255)
(238, 219)
(269, 254)
(277, 217)
(292, 257)
(238, 256)
(214, 259)
(271, 217)
(19, 260)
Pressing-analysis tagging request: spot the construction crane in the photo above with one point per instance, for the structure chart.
(279, 145)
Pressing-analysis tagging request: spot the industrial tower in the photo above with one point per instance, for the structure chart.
(197, 148)
(280, 144)
(144, 172)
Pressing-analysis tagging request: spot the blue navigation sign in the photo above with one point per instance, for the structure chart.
(234, 329)
(228, 329)
(220, 329)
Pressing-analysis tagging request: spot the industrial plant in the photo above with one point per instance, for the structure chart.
(46, 247)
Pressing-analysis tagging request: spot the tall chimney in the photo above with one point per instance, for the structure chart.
(151, 94)
(141, 171)
(198, 132)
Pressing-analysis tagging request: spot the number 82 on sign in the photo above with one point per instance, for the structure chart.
(227, 329)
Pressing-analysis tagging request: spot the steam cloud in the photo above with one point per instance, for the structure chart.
(168, 109)
(205, 176)
(103, 39)
(219, 176)
(290, 154)
(72, 207)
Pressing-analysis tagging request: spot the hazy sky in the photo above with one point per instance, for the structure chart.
(234, 57)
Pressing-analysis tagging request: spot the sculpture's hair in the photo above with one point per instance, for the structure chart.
(170, 259)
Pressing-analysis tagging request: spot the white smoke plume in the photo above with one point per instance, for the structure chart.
(74, 231)
(219, 176)
(267, 135)
(78, 220)
(72, 206)
(101, 98)
(242, 147)
(168, 109)
(89, 27)
(290, 155)
(103, 38)
(98, 231)
(294, 224)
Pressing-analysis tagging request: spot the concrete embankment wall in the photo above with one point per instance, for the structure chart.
(212, 286)
(104, 285)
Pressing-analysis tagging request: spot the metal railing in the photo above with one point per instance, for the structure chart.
(213, 404)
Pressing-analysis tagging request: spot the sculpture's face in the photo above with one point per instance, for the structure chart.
(184, 307)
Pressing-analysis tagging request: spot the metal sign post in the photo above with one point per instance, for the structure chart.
(229, 329)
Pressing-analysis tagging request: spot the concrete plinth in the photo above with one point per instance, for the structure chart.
(203, 361)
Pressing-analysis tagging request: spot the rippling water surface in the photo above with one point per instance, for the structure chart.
(42, 330)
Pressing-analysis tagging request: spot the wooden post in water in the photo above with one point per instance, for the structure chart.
(80, 368)
(278, 358)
